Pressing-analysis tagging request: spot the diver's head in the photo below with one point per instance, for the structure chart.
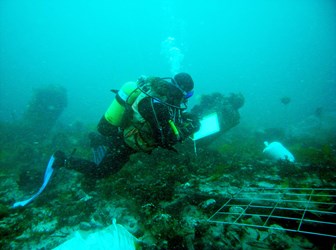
(173, 91)
(185, 84)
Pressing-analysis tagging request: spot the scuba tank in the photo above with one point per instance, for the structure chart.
(116, 114)
(124, 99)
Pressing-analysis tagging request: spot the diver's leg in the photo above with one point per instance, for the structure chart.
(81, 165)
(110, 153)
(115, 157)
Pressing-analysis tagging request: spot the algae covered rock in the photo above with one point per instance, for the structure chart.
(45, 107)
(4, 212)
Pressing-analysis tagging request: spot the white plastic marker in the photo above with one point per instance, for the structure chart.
(114, 237)
(209, 126)
(47, 175)
(277, 151)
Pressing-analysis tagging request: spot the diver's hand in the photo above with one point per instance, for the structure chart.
(191, 124)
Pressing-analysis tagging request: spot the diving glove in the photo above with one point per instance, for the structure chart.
(190, 125)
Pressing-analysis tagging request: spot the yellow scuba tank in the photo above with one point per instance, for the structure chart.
(125, 96)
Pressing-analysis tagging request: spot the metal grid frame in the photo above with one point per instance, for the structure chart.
(302, 210)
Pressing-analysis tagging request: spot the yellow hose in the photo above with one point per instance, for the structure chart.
(173, 127)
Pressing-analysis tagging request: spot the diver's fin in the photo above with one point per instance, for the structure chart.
(49, 171)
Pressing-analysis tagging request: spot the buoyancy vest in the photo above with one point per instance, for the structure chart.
(139, 134)
(123, 112)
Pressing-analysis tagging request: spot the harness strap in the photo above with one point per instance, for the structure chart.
(157, 123)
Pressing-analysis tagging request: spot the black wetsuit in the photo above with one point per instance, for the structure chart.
(118, 152)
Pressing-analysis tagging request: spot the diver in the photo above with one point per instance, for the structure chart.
(144, 115)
